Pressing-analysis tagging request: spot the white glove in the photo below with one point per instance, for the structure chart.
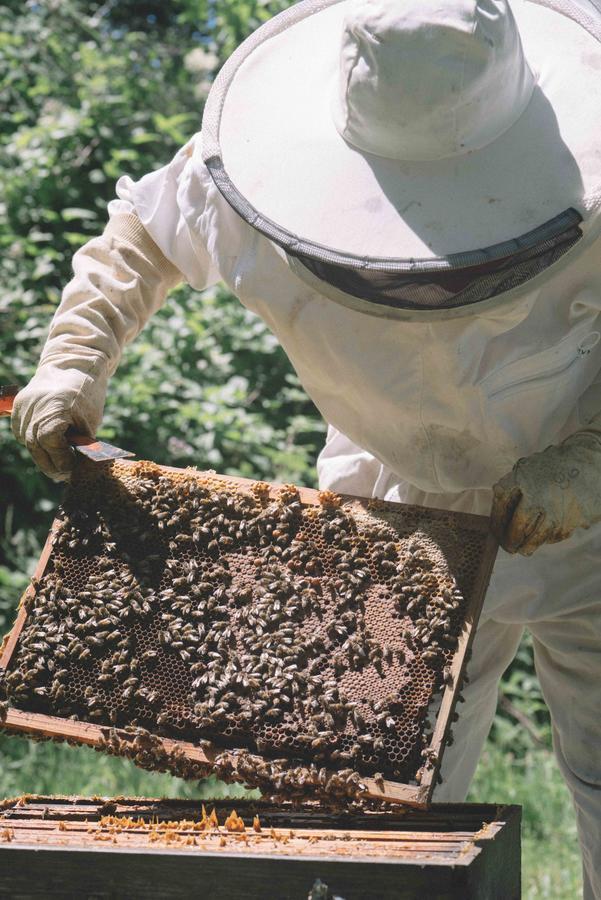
(550, 494)
(121, 279)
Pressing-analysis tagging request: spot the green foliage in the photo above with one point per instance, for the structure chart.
(211, 387)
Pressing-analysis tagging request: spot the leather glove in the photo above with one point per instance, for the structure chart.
(548, 495)
(121, 278)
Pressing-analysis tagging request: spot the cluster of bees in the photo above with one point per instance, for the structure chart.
(148, 751)
(282, 779)
(431, 606)
(278, 779)
(179, 604)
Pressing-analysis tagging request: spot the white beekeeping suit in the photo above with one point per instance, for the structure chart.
(408, 194)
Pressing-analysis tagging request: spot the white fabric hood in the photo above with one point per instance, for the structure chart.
(426, 81)
(301, 128)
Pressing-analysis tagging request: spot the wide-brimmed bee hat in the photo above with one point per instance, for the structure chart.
(382, 141)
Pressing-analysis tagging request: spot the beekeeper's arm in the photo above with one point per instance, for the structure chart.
(548, 495)
(120, 279)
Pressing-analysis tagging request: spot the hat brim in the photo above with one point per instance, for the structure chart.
(268, 125)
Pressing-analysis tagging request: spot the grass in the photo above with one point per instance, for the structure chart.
(551, 865)
(550, 855)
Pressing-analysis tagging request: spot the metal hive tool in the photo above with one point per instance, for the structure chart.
(299, 641)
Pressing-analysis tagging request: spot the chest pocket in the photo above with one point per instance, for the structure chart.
(527, 402)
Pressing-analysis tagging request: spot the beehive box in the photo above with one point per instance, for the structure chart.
(297, 641)
(77, 847)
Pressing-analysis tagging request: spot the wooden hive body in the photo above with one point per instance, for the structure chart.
(75, 847)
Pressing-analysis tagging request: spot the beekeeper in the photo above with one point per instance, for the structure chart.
(407, 192)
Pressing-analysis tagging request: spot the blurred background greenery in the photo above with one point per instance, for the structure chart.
(93, 90)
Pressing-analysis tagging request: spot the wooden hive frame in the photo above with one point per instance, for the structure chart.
(93, 735)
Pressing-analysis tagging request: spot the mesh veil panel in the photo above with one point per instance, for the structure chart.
(440, 286)
(449, 282)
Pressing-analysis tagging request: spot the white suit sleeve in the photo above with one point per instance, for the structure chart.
(120, 279)
(170, 203)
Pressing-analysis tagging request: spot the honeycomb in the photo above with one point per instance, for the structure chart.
(204, 609)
